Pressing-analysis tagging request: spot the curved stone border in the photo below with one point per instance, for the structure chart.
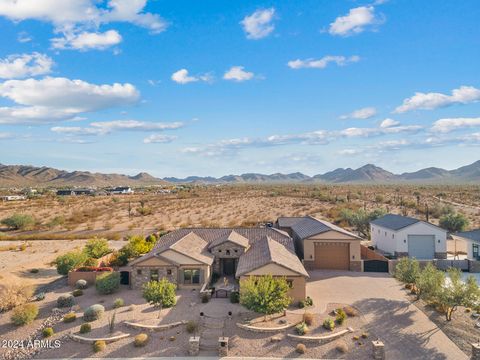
(154, 327)
(321, 338)
(85, 340)
(266, 329)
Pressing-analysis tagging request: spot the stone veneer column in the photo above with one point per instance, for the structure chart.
(194, 345)
(379, 350)
(223, 346)
(475, 351)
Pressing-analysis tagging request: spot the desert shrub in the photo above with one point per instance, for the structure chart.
(340, 317)
(81, 284)
(301, 348)
(341, 347)
(65, 301)
(69, 261)
(205, 298)
(24, 314)
(308, 301)
(407, 270)
(301, 304)
(93, 312)
(360, 219)
(302, 328)
(77, 292)
(40, 296)
(47, 332)
(118, 303)
(160, 293)
(90, 262)
(308, 318)
(99, 345)
(34, 271)
(364, 335)
(108, 283)
(329, 324)
(234, 297)
(19, 222)
(350, 311)
(137, 245)
(96, 248)
(69, 317)
(85, 328)
(453, 222)
(140, 340)
(13, 295)
(191, 326)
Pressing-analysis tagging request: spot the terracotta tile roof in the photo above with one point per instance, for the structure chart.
(267, 251)
(195, 247)
(233, 237)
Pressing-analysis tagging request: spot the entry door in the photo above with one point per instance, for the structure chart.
(228, 266)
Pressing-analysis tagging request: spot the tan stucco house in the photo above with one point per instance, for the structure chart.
(321, 244)
(189, 257)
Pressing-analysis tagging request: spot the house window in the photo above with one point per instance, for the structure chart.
(169, 271)
(139, 271)
(475, 251)
(154, 275)
(191, 276)
(236, 250)
(228, 252)
(290, 284)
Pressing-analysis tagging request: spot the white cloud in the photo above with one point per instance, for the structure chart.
(364, 113)
(431, 101)
(5, 135)
(349, 152)
(86, 13)
(323, 62)
(389, 123)
(106, 127)
(87, 40)
(448, 125)
(24, 37)
(182, 77)
(159, 139)
(259, 24)
(354, 22)
(53, 99)
(24, 65)
(237, 73)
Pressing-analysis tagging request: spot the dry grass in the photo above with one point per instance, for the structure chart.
(13, 295)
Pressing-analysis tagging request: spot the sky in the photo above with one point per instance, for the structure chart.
(218, 87)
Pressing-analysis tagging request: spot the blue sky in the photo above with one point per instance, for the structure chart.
(181, 87)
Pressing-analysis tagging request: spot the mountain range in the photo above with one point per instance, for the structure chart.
(24, 175)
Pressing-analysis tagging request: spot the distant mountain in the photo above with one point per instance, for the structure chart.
(21, 175)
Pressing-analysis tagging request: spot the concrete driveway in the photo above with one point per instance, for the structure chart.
(406, 331)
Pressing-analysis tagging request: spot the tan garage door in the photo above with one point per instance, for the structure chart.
(332, 255)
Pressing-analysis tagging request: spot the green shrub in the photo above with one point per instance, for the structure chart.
(191, 326)
(301, 348)
(99, 345)
(407, 270)
(77, 292)
(24, 314)
(308, 318)
(205, 298)
(69, 317)
(329, 324)
(85, 328)
(341, 316)
(19, 222)
(96, 248)
(160, 293)
(308, 301)
(65, 301)
(93, 312)
(118, 303)
(234, 297)
(69, 261)
(40, 296)
(302, 328)
(47, 332)
(34, 271)
(108, 282)
(301, 304)
(140, 340)
(81, 284)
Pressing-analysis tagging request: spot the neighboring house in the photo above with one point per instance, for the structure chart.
(13, 198)
(189, 257)
(323, 245)
(406, 236)
(471, 239)
(120, 190)
(70, 192)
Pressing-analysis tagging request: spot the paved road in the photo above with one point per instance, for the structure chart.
(406, 330)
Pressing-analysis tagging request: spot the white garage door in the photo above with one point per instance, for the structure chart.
(421, 246)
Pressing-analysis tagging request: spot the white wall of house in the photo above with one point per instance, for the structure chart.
(390, 241)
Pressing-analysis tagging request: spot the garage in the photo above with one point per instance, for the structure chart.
(421, 246)
(332, 255)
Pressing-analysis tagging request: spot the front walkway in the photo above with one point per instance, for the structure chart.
(407, 332)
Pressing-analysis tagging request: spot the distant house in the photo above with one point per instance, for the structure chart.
(67, 192)
(13, 197)
(472, 241)
(406, 236)
(321, 244)
(73, 192)
(120, 190)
